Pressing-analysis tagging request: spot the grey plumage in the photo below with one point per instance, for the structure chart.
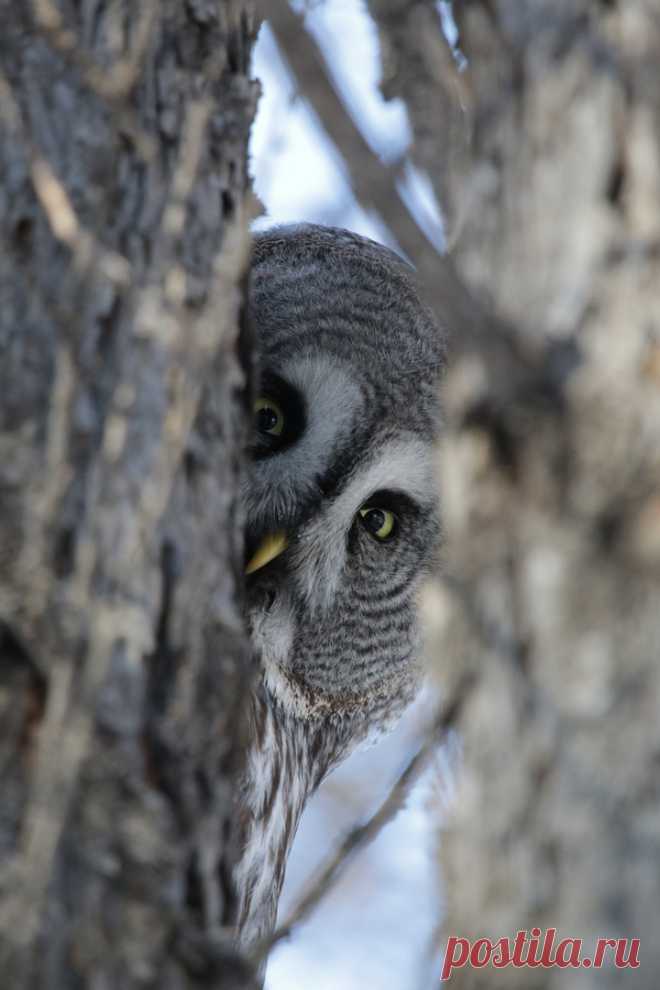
(350, 361)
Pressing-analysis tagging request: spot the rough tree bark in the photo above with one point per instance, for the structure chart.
(552, 512)
(123, 379)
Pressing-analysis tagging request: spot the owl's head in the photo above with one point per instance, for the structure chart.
(342, 515)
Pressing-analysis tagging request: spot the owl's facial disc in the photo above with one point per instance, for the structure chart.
(342, 462)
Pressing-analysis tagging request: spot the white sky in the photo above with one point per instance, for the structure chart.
(376, 930)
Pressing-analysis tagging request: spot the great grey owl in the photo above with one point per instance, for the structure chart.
(342, 521)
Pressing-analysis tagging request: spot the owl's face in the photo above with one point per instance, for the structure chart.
(342, 518)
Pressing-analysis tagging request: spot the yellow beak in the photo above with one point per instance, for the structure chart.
(270, 547)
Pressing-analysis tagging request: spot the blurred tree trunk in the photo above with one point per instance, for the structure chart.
(123, 379)
(551, 503)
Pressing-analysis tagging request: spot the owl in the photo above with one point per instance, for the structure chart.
(342, 522)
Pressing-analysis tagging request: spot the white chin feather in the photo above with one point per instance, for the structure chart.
(271, 632)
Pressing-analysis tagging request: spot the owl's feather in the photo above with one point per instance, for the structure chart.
(350, 359)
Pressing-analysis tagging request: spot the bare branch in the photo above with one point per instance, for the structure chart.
(419, 67)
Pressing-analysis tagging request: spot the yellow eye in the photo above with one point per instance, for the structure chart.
(381, 523)
(268, 417)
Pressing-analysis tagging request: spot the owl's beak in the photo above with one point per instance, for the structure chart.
(270, 547)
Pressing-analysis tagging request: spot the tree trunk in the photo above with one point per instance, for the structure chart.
(551, 506)
(123, 383)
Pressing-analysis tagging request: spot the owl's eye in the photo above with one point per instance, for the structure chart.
(268, 417)
(278, 416)
(381, 523)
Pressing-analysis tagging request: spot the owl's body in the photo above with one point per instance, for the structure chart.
(342, 472)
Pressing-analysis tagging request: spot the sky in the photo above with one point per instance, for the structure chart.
(378, 927)
(296, 169)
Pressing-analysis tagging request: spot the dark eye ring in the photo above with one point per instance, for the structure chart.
(379, 523)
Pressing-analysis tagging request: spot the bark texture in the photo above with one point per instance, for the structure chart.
(123, 380)
(551, 501)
